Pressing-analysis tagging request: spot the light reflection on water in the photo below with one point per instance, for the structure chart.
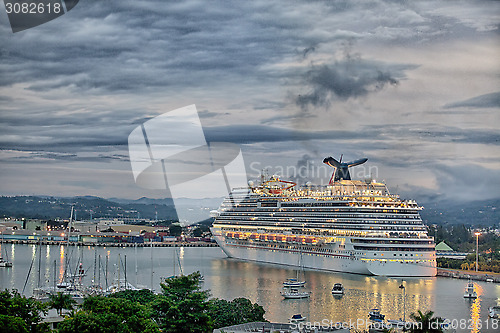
(475, 309)
(261, 283)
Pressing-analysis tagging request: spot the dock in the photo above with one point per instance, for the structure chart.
(473, 275)
(113, 244)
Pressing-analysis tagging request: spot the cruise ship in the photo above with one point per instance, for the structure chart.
(353, 226)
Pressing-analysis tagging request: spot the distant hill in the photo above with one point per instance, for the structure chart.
(481, 213)
(478, 213)
(85, 206)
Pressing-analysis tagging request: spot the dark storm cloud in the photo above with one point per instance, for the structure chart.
(351, 77)
(146, 45)
(484, 101)
(247, 134)
(468, 181)
(125, 46)
(73, 89)
(437, 133)
(72, 140)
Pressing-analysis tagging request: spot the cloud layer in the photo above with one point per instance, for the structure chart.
(410, 85)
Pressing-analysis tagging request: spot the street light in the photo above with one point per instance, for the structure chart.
(404, 300)
(477, 247)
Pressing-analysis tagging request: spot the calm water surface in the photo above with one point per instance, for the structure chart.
(228, 279)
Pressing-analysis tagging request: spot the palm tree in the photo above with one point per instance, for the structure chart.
(426, 322)
(61, 301)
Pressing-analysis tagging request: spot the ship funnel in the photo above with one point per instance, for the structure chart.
(342, 169)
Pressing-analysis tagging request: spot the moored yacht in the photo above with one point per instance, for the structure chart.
(338, 289)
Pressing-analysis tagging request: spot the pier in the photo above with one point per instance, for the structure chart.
(473, 275)
(79, 243)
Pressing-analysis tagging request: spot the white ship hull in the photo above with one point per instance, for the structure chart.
(347, 226)
(337, 263)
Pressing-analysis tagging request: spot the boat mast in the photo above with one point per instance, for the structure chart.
(55, 264)
(39, 260)
(125, 269)
(152, 272)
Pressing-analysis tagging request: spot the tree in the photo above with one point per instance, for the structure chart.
(183, 306)
(11, 324)
(143, 296)
(21, 314)
(197, 232)
(61, 301)
(426, 322)
(175, 229)
(109, 315)
(238, 311)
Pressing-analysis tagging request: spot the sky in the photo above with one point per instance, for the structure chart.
(414, 86)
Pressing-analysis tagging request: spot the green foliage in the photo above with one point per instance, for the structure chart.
(462, 239)
(175, 230)
(24, 314)
(11, 324)
(200, 230)
(107, 315)
(61, 301)
(183, 306)
(144, 296)
(427, 323)
(238, 311)
(197, 232)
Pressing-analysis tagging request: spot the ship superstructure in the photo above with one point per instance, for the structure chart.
(348, 226)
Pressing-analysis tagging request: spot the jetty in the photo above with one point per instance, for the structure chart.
(473, 275)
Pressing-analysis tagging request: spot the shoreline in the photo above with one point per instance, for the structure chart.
(441, 272)
(473, 275)
(107, 244)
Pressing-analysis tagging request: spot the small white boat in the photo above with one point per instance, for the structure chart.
(5, 263)
(297, 317)
(494, 311)
(120, 285)
(470, 291)
(375, 315)
(294, 293)
(294, 283)
(396, 322)
(489, 280)
(338, 289)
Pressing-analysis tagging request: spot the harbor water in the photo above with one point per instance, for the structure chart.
(35, 266)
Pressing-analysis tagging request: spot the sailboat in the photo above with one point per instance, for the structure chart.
(4, 262)
(121, 284)
(176, 256)
(294, 293)
(295, 282)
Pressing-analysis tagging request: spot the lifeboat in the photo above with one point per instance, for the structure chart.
(279, 238)
(230, 235)
(254, 236)
(290, 239)
(262, 238)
